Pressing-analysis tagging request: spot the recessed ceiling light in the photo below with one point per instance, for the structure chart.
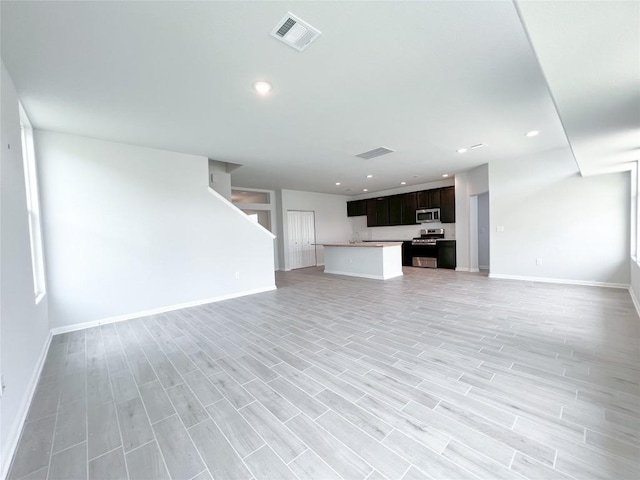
(461, 150)
(445, 175)
(337, 184)
(369, 176)
(262, 87)
(479, 145)
(403, 183)
(243, 193)
(532, 133)
(365, 189)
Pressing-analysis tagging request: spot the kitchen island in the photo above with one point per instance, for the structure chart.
(378, 260)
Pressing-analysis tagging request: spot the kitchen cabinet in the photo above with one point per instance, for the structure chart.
(378, 212)
(407, 254)
(423, 199)
(409, 207)
(395, 210)
(372, 212)
(429, 198)
(447, 254)
(382, 211)
(356, 208)
(448, 205)
(401, 209)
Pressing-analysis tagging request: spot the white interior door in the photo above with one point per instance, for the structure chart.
(302, 238)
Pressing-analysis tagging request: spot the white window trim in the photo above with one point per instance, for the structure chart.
(33, 207)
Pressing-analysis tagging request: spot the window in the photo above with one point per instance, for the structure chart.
(250, 196)
(33, 205)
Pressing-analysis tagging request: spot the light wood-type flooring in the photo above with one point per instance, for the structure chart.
(437, 374)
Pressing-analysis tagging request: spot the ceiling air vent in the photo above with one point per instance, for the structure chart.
(295, 32)
(376, 152)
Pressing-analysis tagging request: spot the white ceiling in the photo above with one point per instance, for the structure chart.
(590, 55)
(422, 78)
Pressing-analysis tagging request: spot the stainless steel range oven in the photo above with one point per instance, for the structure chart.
(425, 248)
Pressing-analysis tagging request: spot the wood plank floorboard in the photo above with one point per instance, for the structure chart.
(433, 375)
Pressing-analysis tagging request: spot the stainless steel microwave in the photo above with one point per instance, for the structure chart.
(427, 215)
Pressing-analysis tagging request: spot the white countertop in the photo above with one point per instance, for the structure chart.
(364, 244)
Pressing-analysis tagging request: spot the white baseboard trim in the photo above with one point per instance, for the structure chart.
(363, 275)
(145, 313)
(565, 281)
(634, 300)
(18, 422)
(462, 269)
(474, 270)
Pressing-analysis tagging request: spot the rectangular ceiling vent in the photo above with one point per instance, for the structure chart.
(295, 32)
(376, 152)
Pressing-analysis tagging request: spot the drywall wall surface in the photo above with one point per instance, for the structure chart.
(25, 325)
(219, 178)
(478, 180)
(130, 229)
(331, 221)
(395, 232)
(445, 182)
(468, 184)
(483, 231)
(542, 211)
(635, 278)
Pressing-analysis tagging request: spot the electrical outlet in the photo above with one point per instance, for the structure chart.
(538, 261)
(237, 275)
(500, 228)
(2, 385)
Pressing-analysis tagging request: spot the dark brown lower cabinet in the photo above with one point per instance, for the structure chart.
(407, 254)
(447, 254)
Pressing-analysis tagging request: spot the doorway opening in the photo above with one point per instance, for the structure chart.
(479, 233)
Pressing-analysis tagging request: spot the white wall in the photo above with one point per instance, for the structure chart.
(483, 231)
(219, 178)
(395, 232)
(332, 223)
(578, 226)
(24, 325)
(131, 229)
(635, 280)
(468, 184)
(445, 182)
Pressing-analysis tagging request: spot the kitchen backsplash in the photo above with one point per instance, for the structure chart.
(399, 232)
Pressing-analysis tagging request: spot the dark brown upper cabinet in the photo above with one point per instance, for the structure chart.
(401, 209)
(378, 212)
(409, 207)
(395, 210)
(382, 211)
(448, 205)
(356, 208)
(429, 198)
